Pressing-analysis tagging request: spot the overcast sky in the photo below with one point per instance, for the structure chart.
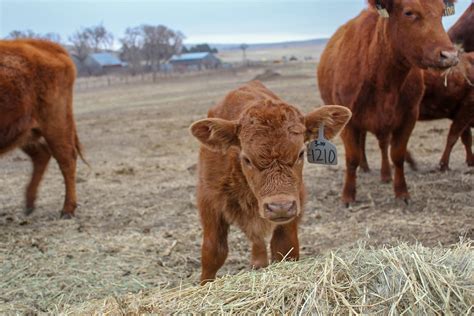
(214, 21)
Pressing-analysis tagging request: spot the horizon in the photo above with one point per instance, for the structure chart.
(217, 22)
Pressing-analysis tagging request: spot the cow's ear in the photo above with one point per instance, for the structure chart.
(334, 118)
(216, 134)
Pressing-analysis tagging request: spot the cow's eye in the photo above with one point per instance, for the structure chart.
(410, 14)
(301, 155)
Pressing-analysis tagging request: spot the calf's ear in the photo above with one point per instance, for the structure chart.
(334, 118)
(216, 134)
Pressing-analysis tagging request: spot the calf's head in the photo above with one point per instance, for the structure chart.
(269, 138)
(415, 30)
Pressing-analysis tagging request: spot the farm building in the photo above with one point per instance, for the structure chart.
(197, 61)
(103, 63)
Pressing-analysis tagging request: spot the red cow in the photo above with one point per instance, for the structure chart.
(372, 66)
(454, 101)
(463, 31)
(250, 172)
(36, 87)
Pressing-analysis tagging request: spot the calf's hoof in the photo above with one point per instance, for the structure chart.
(386, 179)
(403, 198)
(28, 211)
(470, 162)
(65, 215)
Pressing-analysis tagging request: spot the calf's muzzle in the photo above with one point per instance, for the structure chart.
(280, 211)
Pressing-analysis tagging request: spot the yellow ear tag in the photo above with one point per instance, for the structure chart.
(449, 8)
(321, 151)
(382, 11)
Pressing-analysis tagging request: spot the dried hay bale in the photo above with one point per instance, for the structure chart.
(405, 279)
(267, 75)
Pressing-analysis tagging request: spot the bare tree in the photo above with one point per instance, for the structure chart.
(22, 34)
(80, 41)
(160, 43)
(55, 37)
(131, 52)
(99, 38)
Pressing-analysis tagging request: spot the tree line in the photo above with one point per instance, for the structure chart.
(143, 47)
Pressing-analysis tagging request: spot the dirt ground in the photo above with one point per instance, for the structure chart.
(137, 225)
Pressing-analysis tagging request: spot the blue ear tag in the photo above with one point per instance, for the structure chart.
(449, 8)
(321, 151)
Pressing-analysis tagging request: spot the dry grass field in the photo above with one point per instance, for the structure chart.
(137, 225)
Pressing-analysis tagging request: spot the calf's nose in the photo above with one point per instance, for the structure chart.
(449, 57)
(279, 210)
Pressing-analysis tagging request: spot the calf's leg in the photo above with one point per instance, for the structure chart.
(40, 156)
(214, 244)
(284, 243)
(259, 254)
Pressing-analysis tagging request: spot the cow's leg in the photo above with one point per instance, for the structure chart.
(364, 165)
(40, 156)
(398, 151)
(351, 139)
(259, 254)
(466, 138)
(455, 132)
(284, 243)
(61, 141)
(214, 244)
(385, 171)
(411, 161)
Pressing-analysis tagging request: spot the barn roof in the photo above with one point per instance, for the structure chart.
(106, 59)
(190, 56)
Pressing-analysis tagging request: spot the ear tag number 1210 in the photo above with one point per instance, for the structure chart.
(322, 151)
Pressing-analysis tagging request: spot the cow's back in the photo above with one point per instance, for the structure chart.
(346, 59)
(236, 101)
(31, 72)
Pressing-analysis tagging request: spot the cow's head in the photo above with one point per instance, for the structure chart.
(416, 31)
(270, 139)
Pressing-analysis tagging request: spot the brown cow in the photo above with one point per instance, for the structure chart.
(454, 101)
(250, 172)
(462, 32)
(36, 88)
(372, 66)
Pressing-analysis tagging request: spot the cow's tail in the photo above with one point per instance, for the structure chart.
(79, 149)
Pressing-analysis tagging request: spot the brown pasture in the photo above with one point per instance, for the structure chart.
(137, 226)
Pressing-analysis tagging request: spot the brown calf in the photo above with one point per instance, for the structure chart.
(372, 66)
(250, 172)
(36, 87)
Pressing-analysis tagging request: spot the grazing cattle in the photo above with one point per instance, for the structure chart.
(36, 115)
(372, 66)
(250, 172)
(454, 101)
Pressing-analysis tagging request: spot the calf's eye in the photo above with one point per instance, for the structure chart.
(301, 155)
(246, 161)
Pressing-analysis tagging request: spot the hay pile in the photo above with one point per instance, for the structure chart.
(411, 280)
